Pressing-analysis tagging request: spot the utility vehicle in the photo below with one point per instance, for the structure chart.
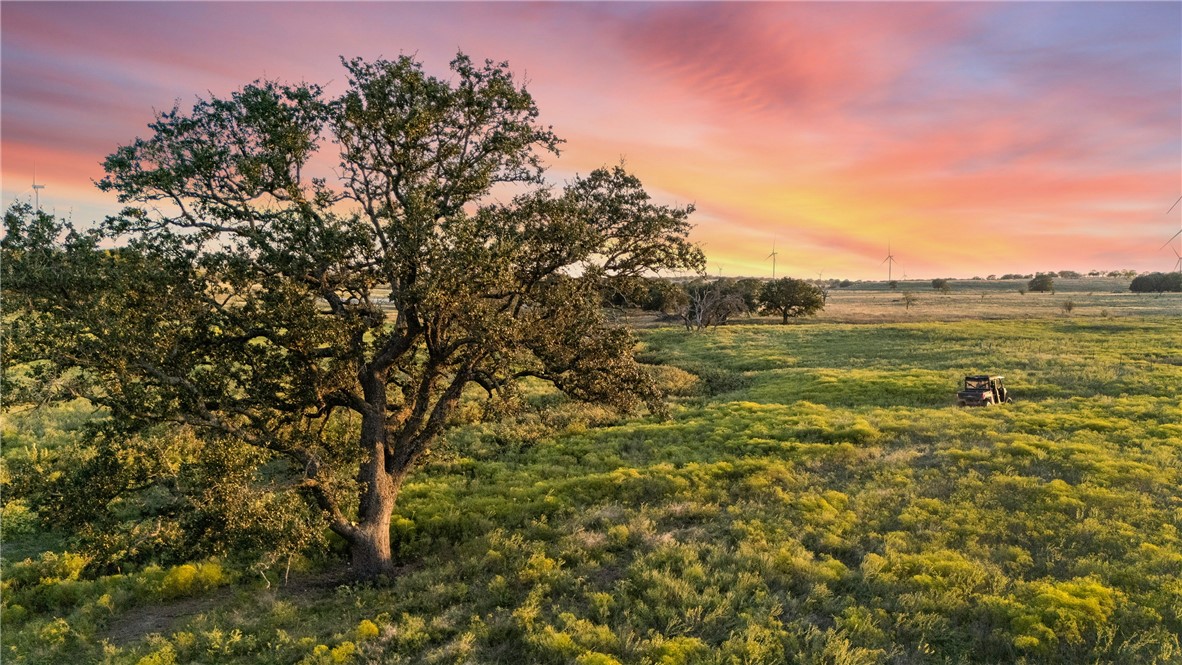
(983, 390)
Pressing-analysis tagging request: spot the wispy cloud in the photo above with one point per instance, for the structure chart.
(1050, 134)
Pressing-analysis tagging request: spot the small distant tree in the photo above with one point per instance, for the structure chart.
(824, 286)
(909, 299)
(710, 304)
(844, 284)
(941, 285)
(790, 297)
(1067, 306)
(894, 284)
(665, 297)
(748, 289)
(1042, 283)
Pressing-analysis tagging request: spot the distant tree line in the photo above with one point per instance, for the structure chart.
(1067, 274)
(708, 303)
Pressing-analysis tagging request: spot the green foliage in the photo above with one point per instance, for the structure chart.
(1042, 283)
(189, 579)
(1157, 282)
(16, 519)
(366, 630)
(942, 285)
(315, 338)
(790, 297)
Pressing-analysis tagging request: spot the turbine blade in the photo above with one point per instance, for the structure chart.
(1175, 204)
(1179, 233)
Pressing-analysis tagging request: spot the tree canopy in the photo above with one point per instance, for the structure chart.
(790, 297)
(1042, 282)
(333, 324)
(1157, 282)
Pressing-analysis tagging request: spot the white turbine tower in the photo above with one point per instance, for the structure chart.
(37, 189)
(772, 256)
(890, 261)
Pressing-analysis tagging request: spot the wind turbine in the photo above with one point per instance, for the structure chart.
(772, 256)
(1177, 266)
(890, 261)
(37, 189)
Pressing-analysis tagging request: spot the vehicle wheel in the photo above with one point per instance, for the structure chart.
(963, 403)
(1009, 400)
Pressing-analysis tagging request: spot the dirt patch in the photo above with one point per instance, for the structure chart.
(139, 622)
(165, 617)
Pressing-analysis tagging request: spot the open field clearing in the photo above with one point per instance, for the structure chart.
(994, 300)
(814, 497)
(874, 302)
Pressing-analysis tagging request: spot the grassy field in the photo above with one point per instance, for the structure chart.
(1102, 297)
(814, 497)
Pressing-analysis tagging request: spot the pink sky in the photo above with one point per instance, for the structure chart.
(975, 138)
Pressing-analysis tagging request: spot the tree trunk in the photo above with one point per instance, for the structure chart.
(369, 544)
(369, 550)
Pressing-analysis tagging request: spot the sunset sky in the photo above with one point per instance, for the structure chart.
(975, 138)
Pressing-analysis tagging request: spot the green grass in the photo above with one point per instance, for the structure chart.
(815, 497)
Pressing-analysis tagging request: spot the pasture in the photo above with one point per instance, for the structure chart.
(813, 497)
(875, 302)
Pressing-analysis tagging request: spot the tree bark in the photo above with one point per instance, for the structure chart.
(369, 544)
(369, 549)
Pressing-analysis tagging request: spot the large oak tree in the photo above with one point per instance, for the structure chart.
(252, 303)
